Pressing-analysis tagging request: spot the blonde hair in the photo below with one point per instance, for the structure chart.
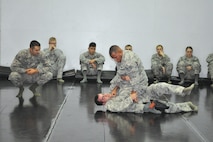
(52, 39)
(159, 46)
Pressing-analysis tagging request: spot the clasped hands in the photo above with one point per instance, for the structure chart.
(31, 71)
(92, 62)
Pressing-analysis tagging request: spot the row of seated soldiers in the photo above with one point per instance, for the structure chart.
(188, 66)
(33, 66)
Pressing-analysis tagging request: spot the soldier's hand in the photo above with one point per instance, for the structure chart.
(31, 71)
(94, 65)
(164, 70)
(134, 96)
(111, 95)
(162, 53)
(114, 92)
(126, 78)
(51, 47)
(92, 61)
(189, 67)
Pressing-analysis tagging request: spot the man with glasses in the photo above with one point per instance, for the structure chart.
(56, 58)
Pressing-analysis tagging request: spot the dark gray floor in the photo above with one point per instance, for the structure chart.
(67, 113)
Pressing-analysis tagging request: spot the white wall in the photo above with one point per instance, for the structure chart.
(0, 31)
(75, 23)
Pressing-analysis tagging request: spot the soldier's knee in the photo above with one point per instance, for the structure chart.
(170, 65)
(49, 75)
(83, 66)
(154, 66)
(14, 76)
(181, 72)
(197, 65)
(182, 63)
(63, 57)
(197, 70)
(99, 66)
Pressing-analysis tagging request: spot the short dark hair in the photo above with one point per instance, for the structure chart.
(189, 47)
(113, 48)
(96, 101)
(34, 43)
(159, 45)
(92, 44)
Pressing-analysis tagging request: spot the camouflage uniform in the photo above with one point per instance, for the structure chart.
(57, 60)
(123, 102)
(209, 60)
(157, 62)
(131, 66)
(155, 91)
(24, 60)
(85, 65)
(194, 62)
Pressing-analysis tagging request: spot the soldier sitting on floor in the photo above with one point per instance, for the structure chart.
(161, 65)
(91, 63)
(209, 60)
(56, 58)
(188, 66)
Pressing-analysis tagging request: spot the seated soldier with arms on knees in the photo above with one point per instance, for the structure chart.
(26, 69)
(91, 63)
(188, 67)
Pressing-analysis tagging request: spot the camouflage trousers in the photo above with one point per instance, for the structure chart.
(178, 107)
(210, 71)
(158, 72)
(19, 79)
(154, 91)
(173, 107)
(58, 67)
(123, 103)
(189, 74)
(140, 107)
(90, 70)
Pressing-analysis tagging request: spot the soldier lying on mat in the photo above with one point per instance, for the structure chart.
(147, 102)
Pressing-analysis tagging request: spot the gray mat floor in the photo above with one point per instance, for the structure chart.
(67, 113)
